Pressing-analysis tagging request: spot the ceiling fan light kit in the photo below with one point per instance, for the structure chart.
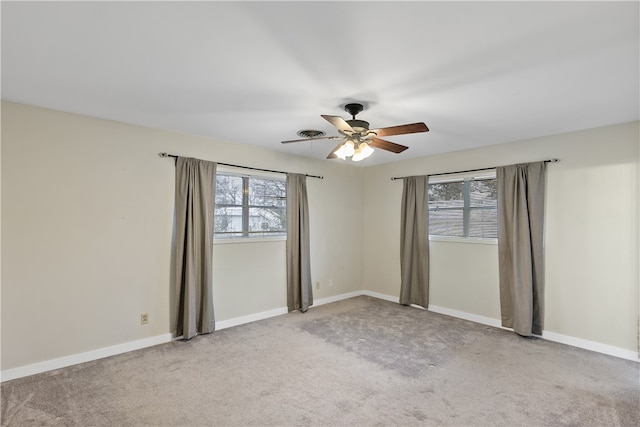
(360, 141)
(345, 150)
(363, 151)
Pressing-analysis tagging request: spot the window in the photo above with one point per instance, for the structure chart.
(466, 207)
(249, 206)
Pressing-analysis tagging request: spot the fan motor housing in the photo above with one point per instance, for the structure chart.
(358, 125)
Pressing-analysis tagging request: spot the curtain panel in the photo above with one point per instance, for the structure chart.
(299, 290)
(195, 196)
(521, 192)
(414, 242)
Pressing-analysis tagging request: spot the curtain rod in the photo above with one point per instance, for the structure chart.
(468, 170)
(244, 167)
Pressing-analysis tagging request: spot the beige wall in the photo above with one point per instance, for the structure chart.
(87, 209)
(591, 234)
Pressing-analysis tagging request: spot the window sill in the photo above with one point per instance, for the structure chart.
(249, 240)
(474, 241)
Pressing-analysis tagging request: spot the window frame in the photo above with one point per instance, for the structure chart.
(466, 209)
(246, 207)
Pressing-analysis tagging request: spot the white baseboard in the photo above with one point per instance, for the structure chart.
(74, 359)
(591, 345)
(62, 362)
(236, 321)
(490, 321)
(336, 298)
(549, 336)
(381, 296)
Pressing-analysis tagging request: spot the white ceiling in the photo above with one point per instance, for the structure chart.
(477, 73)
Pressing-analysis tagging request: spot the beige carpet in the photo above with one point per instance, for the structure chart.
(362, 362)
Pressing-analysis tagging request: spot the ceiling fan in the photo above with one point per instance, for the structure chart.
(359, 141)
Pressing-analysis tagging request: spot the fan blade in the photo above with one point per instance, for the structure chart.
(402, 129)
(339, 123)
(332, 154)
(310, 139)
(386, 145)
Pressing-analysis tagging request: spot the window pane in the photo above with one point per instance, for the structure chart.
(267, 192)
(446, 222)
(483, 223)
(443, 220)
(228, 221)
(446, 195)
(229, 190)
(483, 193)
(267, 221)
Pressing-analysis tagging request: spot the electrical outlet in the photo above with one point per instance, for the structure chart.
(317, 285)
(330, 282)
(144, 318)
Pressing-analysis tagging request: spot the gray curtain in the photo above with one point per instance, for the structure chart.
(299, 291)
(414, 242)
(521, 190)
(195, 196)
